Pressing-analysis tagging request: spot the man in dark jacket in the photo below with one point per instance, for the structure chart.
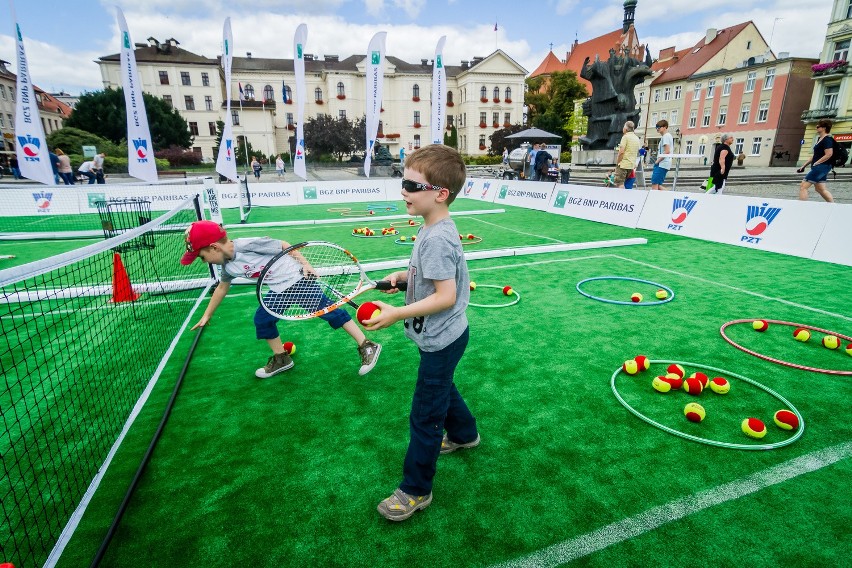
(542, 163)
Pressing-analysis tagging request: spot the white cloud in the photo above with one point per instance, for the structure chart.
(54, 69)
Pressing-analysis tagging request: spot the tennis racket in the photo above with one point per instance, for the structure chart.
(311, 279)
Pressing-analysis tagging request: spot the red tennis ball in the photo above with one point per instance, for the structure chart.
(701, 377)
(760, 325)
(630, 367)
(414, 237)
(720, 385)
(507, 290)
(830, 342)
(470, 236)
(694, 412)
(367, 311)
(801, 334)
(660, 384)
(675, 381)
(642, 362)
(411, 222)
(677, 370)
(371, 212)
(693, 386)
(754, 428)
(849, 349)
(290, 347)
(786, 420)
(636, 297)
(461, 237)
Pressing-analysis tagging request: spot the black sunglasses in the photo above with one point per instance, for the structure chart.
(413, 186)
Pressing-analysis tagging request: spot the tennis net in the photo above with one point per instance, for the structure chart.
(71, 211)
(85, 335)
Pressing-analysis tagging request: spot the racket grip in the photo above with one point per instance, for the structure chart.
(386, 285)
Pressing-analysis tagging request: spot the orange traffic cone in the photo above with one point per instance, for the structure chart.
(122, 291)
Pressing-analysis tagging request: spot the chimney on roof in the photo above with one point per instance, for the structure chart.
(783, 54)
(476, 60)
(464, 64)
(248, 54)
(332, 58)
(667, 53)
(711, 35)
(424, 62)
(309, 56)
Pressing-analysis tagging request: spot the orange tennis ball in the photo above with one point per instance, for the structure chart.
(760, 325)
(754, 428)
(720, 385)
(290, 347)
(660, 384)
(367, 311)
(662, 294)
(507, 290)
(801, 334)
(786, 420)
(701, 377)
(471, 236)
(642, 362)
(677, 370)
(830, 342)
(694, 412)
(636, 297)
(693, 386)
(472, 285)
(630, 367)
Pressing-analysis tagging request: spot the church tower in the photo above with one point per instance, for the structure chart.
(629, 14)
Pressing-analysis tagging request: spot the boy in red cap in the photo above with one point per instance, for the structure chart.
(246, 258)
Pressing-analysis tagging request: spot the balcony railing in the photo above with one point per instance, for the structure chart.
(818, 113)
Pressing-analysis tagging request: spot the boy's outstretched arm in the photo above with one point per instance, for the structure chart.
(216, 299)
(443, 299)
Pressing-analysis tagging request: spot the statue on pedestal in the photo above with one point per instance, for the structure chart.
(612, 102)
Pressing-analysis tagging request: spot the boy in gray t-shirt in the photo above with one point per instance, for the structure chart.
(438, 291)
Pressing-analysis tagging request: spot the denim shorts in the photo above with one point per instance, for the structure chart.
(818, 173)
(659, 175)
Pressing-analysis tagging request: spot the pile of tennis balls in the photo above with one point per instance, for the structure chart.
(469, 237)
(368, 232)
(675, 379)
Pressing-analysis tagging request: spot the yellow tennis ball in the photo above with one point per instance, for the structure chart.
(786, 420)
(403, 239)
(802, 334)
(472, 285)
(636, 297)
(289, 347)
(694, 412)
(849, 349)
(720, 385)
(831, 342)
(660, 385)
(754, 428)
(662, 294)
(630, 367)
(760, 325)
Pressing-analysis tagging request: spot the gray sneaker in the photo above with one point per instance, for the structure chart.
(401, 505)
(276, 364)
(369, 352)
(448, 446)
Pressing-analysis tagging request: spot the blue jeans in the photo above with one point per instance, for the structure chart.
(266, 325)
(658, 176)
(437, 405)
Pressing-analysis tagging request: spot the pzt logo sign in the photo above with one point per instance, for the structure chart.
(758, 219)
(485, 188)
(141, 146)
(42, 201)
(229, 149)
(681, 208)
(31, 147)
(468, 187)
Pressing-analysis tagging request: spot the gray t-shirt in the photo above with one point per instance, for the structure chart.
(666, 139)
(437, 255)
(251, 255)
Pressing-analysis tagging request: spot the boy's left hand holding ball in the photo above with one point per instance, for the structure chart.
(382, 315)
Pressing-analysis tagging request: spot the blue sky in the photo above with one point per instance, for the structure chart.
(63, 39)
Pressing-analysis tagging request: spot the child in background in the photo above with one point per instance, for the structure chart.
(434, 317)
(247, 258)
(609, 180)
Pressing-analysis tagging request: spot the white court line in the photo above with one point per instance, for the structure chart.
(656, 517)
(750, 293)
(523, 264)
(516, 231)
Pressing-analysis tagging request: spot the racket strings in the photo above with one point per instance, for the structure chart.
(331, 275)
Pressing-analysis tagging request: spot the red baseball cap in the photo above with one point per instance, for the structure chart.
(199, 235)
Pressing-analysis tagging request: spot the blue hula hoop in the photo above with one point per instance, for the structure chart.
(620, 302)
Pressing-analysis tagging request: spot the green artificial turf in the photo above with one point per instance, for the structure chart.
(288, 471)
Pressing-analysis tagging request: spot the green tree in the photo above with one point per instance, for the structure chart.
(499, 140)
(71, 141)
(103, 113)
(451, 138)
(551, 102)
(327, 135)
(244, 152)
(220, 131)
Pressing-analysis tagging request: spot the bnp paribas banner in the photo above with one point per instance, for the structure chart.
(375, 70)
(300, 167)
(439, 94)
(226, 161)
(527, 194)
(140, 147)
(612, 206)
(372, 192)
